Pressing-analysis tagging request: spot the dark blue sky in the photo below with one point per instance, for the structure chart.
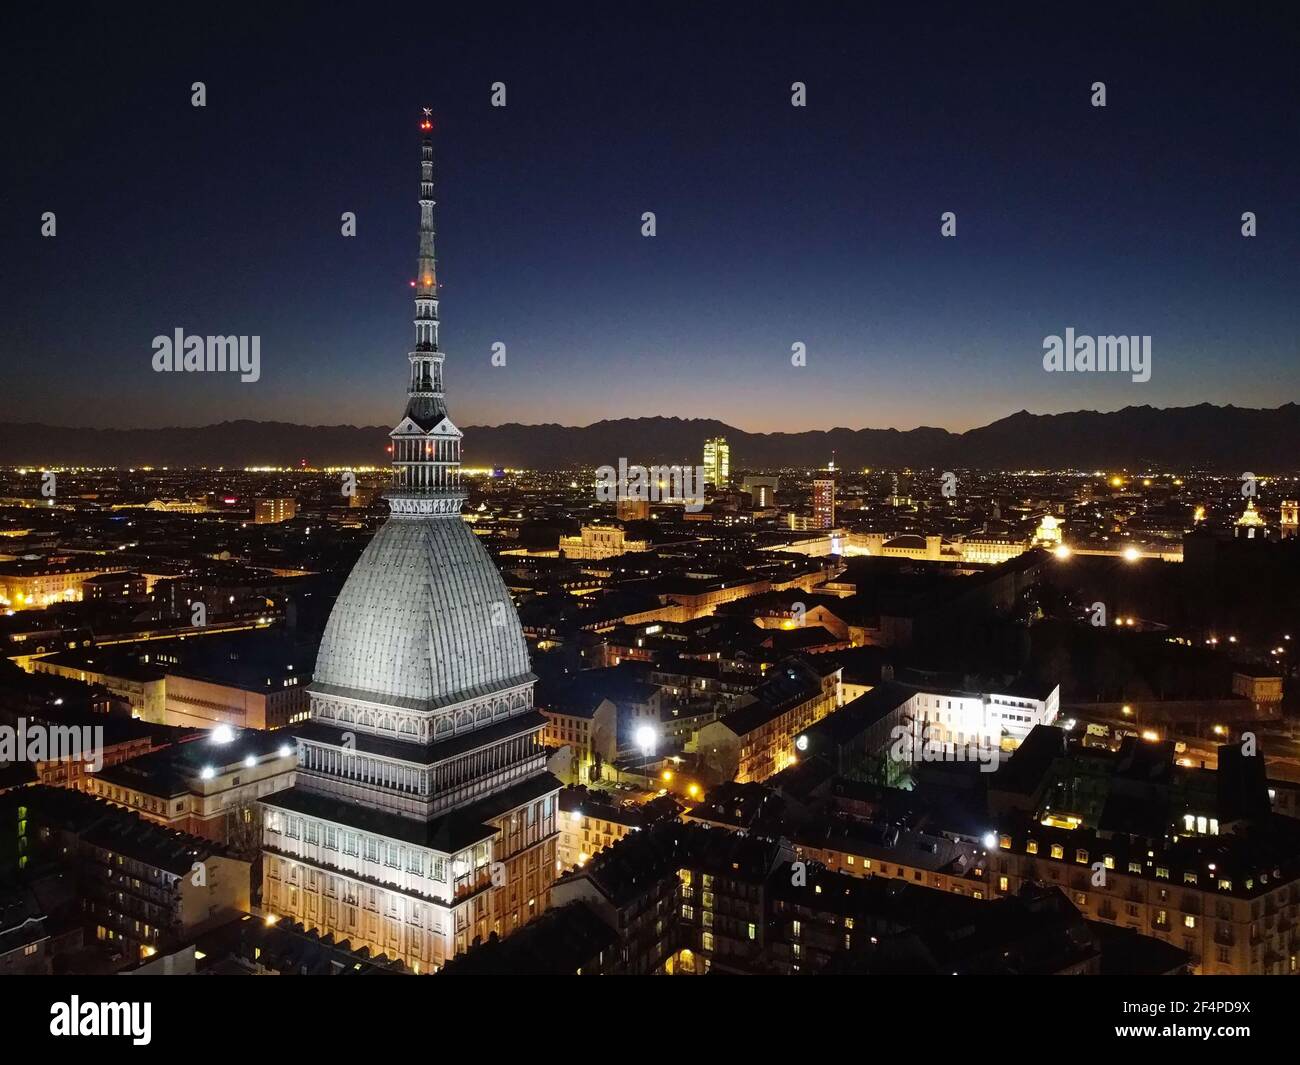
(775, 224)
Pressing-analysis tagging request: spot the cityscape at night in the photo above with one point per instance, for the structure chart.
(772, 490)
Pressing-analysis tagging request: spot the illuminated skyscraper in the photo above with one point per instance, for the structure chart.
(423, 816)
(823, 501)
(717, 462)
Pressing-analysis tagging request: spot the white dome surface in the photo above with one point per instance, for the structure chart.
(423, 619)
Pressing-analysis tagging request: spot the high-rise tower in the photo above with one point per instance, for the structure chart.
(717, 462)
(823, 503)
(423, 815)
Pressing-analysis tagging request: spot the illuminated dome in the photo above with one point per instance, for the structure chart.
(424, 619)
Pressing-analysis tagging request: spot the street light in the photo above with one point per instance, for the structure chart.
(645, 739)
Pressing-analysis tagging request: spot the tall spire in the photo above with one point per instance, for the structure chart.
(426, 443)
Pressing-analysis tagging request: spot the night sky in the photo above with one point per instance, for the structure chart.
(775, 224)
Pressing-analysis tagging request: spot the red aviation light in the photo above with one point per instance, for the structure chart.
(426, 125)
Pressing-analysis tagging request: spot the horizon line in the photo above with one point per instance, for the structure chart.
(651, 417)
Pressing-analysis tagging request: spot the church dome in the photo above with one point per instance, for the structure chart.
(424, 619)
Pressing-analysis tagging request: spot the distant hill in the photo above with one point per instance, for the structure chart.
(1230, 439)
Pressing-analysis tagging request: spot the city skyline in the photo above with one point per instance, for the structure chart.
(225, 219)
(577, 635)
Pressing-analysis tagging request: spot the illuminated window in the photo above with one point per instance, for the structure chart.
(1058, 851)
(1162, 873)
(1031, 847)
(1004, 842)
(1003, 884)
(1189, 921)
(1081, 856)
(1135, 867)
(1109, 861)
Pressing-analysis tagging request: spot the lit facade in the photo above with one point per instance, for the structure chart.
(1290, 519)
(600, 541)
(33, 585)
(757, 739)
(591, 733)
(273, 511)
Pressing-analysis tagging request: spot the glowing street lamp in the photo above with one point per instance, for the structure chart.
(645, 739)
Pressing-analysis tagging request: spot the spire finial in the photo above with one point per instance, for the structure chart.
(426, 445)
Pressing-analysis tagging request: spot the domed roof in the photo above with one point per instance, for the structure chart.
(424, 619)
